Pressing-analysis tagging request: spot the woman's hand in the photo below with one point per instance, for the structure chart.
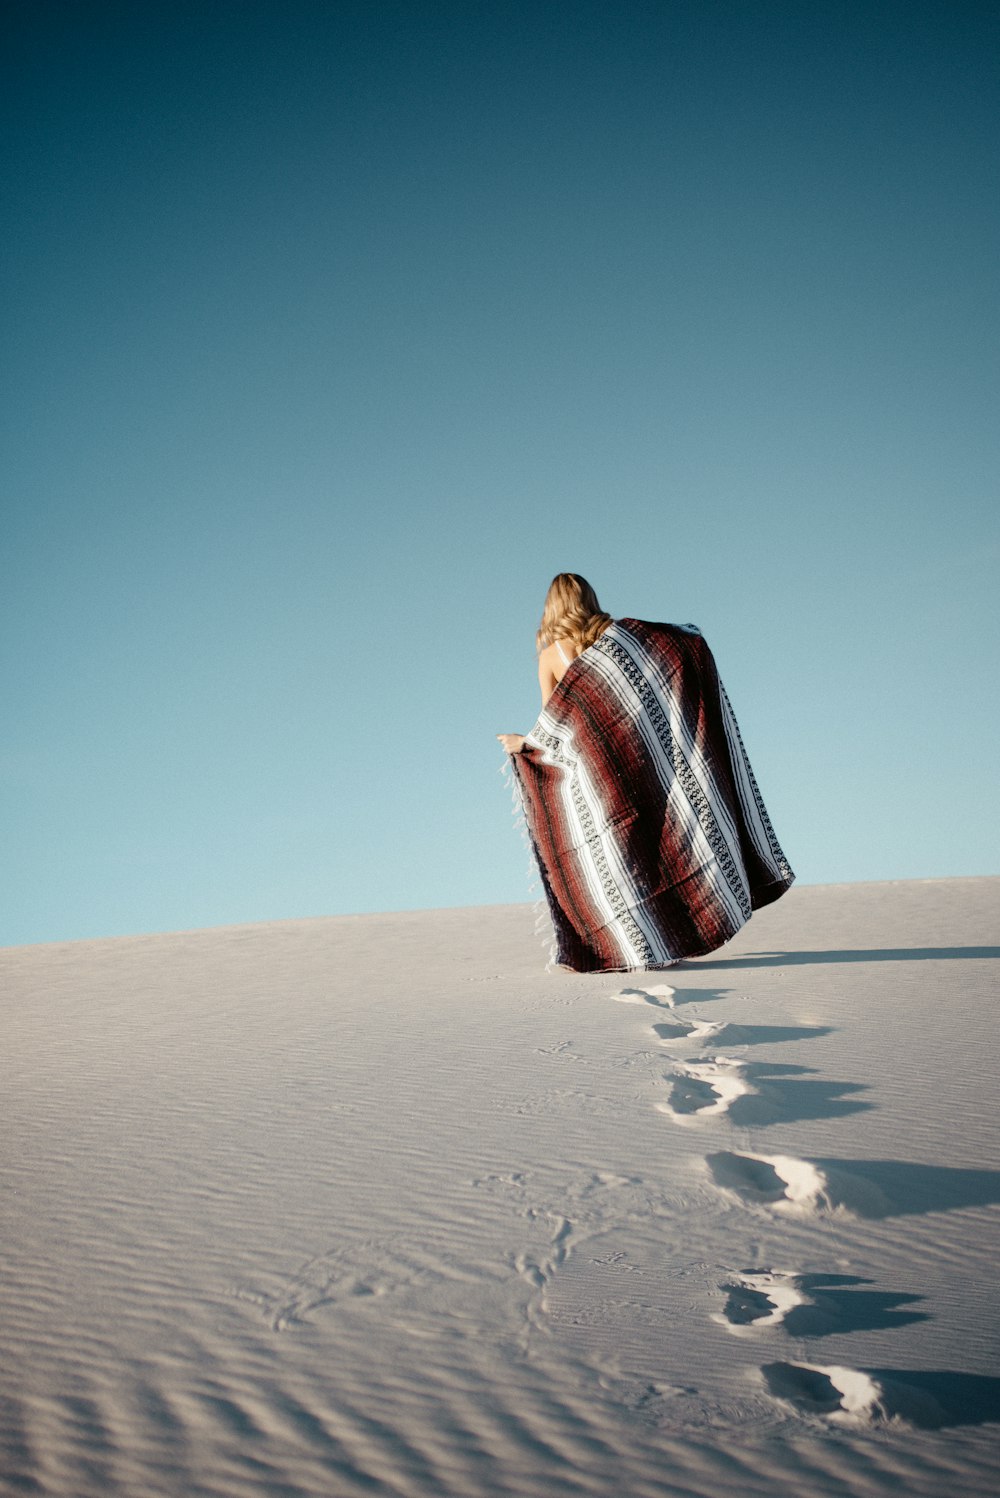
(512, 742)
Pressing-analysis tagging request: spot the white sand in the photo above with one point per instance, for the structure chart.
(375, 1205)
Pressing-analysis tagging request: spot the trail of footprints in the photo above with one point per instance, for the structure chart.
(709, 1088)
(553, 1234)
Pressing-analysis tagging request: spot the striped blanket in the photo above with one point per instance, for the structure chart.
(651, 838)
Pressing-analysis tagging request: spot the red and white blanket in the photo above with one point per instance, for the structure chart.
(651, 837)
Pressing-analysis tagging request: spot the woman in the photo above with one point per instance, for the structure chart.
(571, 620)
(652, 841)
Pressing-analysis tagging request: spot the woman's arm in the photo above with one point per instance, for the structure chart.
(551, 669)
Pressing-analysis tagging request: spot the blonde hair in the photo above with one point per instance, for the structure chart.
(571, 612)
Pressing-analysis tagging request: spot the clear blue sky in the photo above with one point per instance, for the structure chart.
(334, 330)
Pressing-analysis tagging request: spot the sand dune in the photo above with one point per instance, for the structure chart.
(375, 1205)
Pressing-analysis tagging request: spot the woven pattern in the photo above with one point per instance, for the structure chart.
(644, 816)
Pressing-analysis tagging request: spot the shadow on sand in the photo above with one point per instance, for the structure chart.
(786, 1101)
(912, 1189)
(868, 1188)
(843, 1310)
(832, 1306)
(806, 959)
(928, 1399)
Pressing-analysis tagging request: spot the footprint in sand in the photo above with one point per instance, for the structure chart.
(661, 997)
(785, 1184)
(770, 1093)
(726, 1034)
(810, 1305)
(928, 1399)
(759, 1300)
(670, 1032)
(704, 1089)
(844, 1396)
(781, 1182)
(340, 1276)
(539, 1269)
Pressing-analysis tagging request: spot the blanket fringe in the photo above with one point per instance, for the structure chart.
(544, 929)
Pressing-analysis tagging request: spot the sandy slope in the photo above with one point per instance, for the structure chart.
(375, 1205)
